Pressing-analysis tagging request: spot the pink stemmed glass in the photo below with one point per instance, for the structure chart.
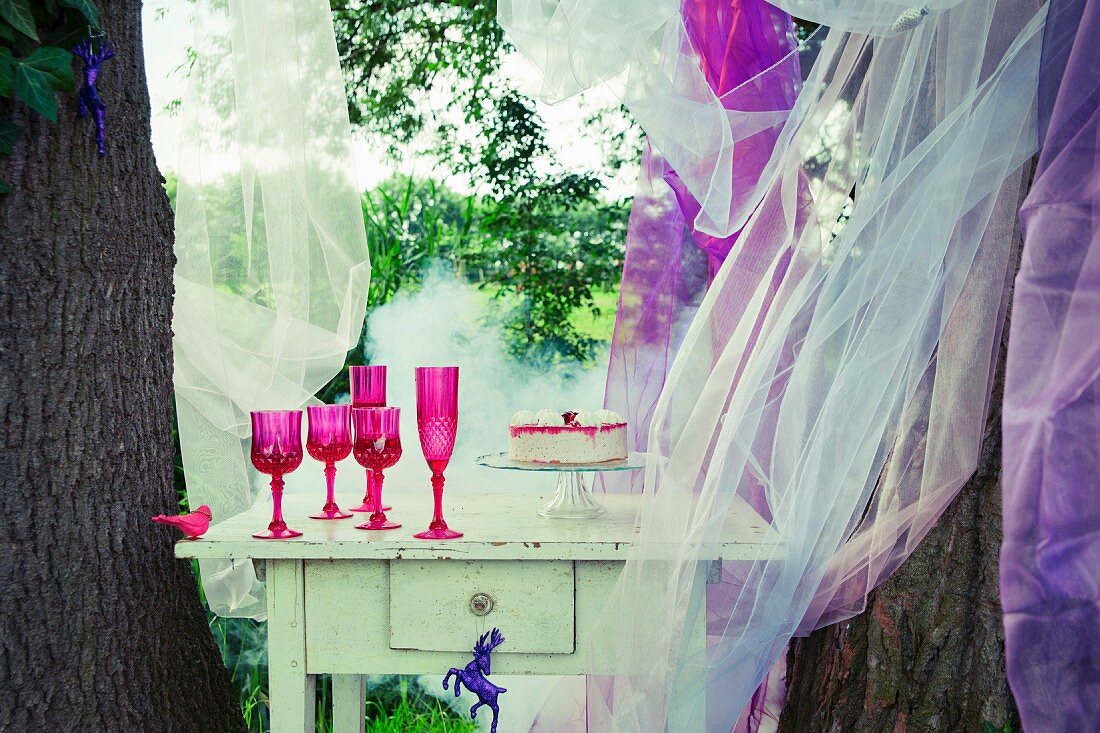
(377, 447)
(368, 389)
(437, 423)
(277, 450)
(329, 441)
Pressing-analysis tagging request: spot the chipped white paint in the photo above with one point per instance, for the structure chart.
(347, 602)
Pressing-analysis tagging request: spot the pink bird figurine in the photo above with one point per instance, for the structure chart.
(193, 525)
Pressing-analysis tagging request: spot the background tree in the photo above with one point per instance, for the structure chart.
(103, 627)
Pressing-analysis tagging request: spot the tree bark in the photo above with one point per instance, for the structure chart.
(928, 653)
(102, 627)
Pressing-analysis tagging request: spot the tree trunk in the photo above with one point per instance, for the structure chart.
(102, 628)
(928, 653)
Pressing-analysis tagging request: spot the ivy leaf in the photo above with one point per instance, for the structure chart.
(87, 8)
(18, 14)
(56, 64)
(4, 187)
(7, 69)
(9, 133)
(33, 87)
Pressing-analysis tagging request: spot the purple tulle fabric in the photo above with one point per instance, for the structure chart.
(1050, 561)
(668, 264)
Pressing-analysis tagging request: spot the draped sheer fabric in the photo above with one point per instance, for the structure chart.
(272, 272)
(836, 375)
(1049, 588)
(664, 278)
(668, 262)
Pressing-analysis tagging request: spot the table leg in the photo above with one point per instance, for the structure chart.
(691, 684)
(292, 692)
(349, 700)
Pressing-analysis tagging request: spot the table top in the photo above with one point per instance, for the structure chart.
(497, 526)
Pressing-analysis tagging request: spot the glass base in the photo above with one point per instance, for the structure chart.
(437, 534)
(275, 532)
(572, 500)
(331, 513)
(369, 508)
(378, 524)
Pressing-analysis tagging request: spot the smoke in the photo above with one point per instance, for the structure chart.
(444, 324)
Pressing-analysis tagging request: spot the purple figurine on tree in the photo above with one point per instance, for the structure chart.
(93, 54)
(473, 676)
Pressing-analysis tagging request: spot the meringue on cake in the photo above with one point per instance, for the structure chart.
(567, 437)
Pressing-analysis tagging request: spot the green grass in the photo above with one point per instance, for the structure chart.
(407, 718)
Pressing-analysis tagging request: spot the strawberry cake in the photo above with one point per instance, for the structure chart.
(567, 437)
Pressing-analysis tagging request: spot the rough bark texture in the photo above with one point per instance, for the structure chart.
(928, 653)
(101, 628)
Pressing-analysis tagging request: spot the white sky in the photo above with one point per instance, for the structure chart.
(167, 35)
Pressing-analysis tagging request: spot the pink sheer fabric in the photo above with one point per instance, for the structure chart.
(1050, 560)
(664, 279)
(664, 275)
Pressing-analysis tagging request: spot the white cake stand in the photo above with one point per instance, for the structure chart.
(573, 499)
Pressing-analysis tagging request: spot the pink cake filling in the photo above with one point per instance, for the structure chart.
(567, 443)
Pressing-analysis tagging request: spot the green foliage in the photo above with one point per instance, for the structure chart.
(396, 52)
(409, 224)
(554, 244)
(35, 62)
(542, 231)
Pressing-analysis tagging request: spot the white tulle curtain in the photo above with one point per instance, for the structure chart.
(272, 272)
(837, 375)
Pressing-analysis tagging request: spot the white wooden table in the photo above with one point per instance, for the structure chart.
(349, 602)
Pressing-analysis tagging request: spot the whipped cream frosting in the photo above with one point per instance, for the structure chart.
(581, 418)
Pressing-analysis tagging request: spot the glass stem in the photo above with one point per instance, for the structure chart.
(330, 485)
(379, 515)
(368, 498)
(277, 500)
(437, 490)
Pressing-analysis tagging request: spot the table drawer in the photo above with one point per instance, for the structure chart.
(531, 602)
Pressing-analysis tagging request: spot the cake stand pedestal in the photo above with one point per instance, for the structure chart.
(573, 498)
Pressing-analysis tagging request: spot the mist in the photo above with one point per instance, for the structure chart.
(443, 324)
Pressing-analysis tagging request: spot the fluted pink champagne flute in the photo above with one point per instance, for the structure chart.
(377, 447)
(368, 389)
(437, 423)
(277, 450)
(329, 441)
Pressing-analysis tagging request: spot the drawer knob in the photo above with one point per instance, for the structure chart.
(481, 604)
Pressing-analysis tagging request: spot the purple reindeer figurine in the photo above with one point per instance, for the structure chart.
(473, 676)
(88, 99)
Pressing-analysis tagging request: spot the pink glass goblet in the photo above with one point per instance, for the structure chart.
(368, 389)
(377, 447)
(437, 423)
(329, 441)
(277, 450)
